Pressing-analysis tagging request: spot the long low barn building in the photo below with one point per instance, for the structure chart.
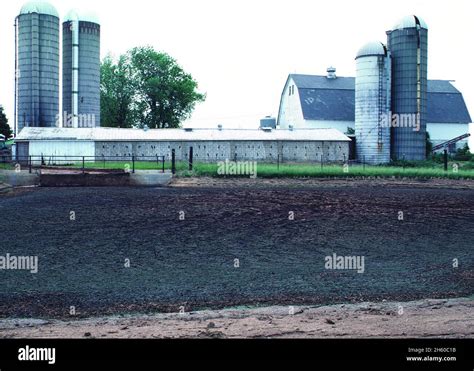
(209, 145)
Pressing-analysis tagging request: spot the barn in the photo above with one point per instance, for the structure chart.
(209, 145)
(317, 102)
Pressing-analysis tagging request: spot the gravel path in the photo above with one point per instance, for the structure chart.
(452, 318)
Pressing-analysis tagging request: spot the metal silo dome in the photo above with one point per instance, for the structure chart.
(372, 48)
(71, 16)
(40, 7)
(82, 16)
(410, 21)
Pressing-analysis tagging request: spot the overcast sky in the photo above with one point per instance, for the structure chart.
(241, 51)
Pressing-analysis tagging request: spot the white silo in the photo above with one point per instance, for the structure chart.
(372, 103)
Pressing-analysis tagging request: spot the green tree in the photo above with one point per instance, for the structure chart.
(146, 87)
(429, 145)
(4, 127)
(116, 93)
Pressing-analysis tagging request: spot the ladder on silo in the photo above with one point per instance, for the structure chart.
(380, 104)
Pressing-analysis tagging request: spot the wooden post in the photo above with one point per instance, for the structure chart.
(173, 161)
(191, 158)
(445, 158)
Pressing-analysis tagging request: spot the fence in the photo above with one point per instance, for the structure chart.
(87, 163)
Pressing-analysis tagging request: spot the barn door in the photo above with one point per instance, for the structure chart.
(22, 152)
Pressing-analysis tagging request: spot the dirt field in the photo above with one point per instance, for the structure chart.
(191, 264)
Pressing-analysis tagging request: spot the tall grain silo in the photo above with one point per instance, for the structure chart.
(372, 103)
(37, 66)
(408, 44)
(81, 70)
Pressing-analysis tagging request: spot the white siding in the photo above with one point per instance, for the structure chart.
(62, 148)
(290, 110)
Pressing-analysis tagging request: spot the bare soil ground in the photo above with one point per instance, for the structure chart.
(190, 264)
(421, 319)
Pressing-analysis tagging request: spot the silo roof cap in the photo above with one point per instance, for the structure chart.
(372, 48)
(75, 15)
(40, 7)
(410, 21)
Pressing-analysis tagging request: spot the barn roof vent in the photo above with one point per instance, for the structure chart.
(331, 73)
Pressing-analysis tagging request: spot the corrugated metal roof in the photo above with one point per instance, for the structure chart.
(447, 108)
(322, 82)
(40, 7)
(328, 104)
(441, 86)
(114, 134)
(334, 100)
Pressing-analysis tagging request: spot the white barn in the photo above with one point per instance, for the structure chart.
(209, 145)
(317, 102)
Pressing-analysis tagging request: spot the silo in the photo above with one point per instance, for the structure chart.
(81, 70)
(408, 44)
(37, 66)
(372, 103)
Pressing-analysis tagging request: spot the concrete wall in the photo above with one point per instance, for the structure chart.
(214, 151)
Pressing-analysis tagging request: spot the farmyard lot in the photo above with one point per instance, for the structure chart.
(222, 244)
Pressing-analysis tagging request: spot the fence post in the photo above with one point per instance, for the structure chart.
(173, 161)
(30, 165)
(322, 161)
(278, 162)
(191, 158)
(163, 163)
(133, 164)
(445, 158)
(363, 159)
(83, 164)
